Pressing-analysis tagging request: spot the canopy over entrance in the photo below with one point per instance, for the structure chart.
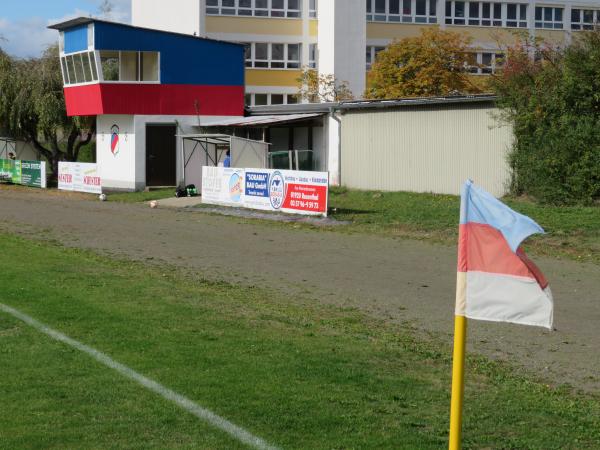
(199, 150)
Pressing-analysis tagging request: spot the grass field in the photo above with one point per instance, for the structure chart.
(294, 373)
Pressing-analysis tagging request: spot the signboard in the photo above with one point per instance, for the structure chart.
(288, 191)
(79, 177)
(27, 173)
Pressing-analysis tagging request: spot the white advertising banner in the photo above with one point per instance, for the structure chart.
(79, 177)
(288, 191)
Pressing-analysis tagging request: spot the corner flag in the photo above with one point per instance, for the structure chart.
(496, 281)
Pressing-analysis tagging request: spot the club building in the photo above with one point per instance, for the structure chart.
(146, 87)
(180, 69)
(340, 37)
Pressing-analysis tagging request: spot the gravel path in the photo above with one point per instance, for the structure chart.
(399, 280)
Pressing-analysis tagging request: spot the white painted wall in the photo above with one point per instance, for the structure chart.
(179, 16)
(342, 42)
(425, 149)
(331, 128)
(118, 171)
(127, 169)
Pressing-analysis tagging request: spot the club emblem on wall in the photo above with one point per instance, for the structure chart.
(114, 140)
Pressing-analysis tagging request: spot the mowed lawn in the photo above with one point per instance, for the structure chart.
(294, 373)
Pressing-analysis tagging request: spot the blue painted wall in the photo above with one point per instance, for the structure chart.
(76, 39)
(183, 59)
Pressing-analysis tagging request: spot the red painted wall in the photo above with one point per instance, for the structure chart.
(154, 99)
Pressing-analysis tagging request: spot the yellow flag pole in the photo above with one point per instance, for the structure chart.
(458, 382)
(458, 364)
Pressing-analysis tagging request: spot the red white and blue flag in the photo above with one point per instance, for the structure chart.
(496, 280)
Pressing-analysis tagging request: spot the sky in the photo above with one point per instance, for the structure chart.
(23, 23)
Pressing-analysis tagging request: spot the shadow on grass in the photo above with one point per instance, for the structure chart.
(350, 211)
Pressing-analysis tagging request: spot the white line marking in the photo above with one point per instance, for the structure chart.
(202, 413)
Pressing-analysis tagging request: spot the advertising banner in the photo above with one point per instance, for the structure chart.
(27, 173)
(288, 191)
(79, 177)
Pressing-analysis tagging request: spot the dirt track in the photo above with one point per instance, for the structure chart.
(395, 279)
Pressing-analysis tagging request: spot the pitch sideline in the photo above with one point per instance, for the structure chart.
(183, 402)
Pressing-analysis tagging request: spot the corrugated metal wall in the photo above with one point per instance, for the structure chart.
(425, 149)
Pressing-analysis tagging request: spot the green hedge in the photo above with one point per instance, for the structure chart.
(554, 106)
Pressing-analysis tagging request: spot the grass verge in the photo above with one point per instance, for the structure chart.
(298, 374)
(143, 196)
(571, 231)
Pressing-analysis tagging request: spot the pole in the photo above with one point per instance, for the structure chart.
(458, 382)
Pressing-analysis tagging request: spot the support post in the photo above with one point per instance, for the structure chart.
(458, 382)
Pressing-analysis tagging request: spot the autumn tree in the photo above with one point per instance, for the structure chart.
(315, 87)
(432, 64)
(32, 108)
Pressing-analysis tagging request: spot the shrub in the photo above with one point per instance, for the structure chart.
(553, 103)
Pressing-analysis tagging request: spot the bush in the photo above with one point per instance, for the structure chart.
(553, 102)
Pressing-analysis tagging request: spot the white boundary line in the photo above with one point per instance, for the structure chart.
(183, 402)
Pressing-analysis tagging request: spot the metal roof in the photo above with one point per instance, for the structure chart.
(260, 121)
(214, 138)
(87, 20)
(368, 104)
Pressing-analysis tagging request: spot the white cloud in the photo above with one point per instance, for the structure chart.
(30, 37)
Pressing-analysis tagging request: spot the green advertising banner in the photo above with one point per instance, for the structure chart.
(27, 173)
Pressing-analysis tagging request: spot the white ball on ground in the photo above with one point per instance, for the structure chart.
(153, 204)
(102, 197)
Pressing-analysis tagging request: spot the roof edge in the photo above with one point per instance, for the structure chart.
(61, 26)
(369, 104)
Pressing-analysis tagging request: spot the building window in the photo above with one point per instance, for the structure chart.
(372, 52)
(485, 63)
(516, 15)
(261, 99)
(486, 14)
(109, 62)
(548, 17)
(407, 11)
(312, 8)
(584, 19)
(130, 66)
(312, 56)
(271, 99)
(277, 99)
(79, 68)
(256, 8)
(262, 55)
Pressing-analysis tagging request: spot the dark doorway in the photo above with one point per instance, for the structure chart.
(161, 155)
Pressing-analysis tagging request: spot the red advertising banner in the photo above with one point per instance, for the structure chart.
(306, 197)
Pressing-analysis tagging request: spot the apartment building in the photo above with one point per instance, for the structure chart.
(343, 37)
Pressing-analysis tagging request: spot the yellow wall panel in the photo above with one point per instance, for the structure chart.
(394, 30)
(253, 25)
(258, 77)
(555, 36)
(487, 35)
(313, 28)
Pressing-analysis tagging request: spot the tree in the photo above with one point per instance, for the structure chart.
(315, 87)
(432, 64)
(32, 107)
(551, 97)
